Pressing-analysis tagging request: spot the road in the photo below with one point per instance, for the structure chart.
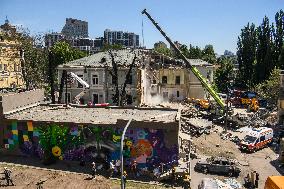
(261, 161)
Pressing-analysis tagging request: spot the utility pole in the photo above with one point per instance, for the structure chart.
(121, 152)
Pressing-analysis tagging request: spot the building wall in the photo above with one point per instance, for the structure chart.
(14, 101)
(189, 85)
(105, 89)
(126, 39)
(195, 89)
(75, 28)
(10, 65)
(146, 142)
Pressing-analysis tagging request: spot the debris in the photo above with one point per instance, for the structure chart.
(233, 183)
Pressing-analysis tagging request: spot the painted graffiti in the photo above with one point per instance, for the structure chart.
(89, 142)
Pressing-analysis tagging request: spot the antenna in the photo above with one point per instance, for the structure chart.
(142, 33)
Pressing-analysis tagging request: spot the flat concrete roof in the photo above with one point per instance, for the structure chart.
(107, 115)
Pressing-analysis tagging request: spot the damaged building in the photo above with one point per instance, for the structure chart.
(101, 71)
(167, 79)
(33, 129)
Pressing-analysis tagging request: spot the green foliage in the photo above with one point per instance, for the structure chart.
(63, 53)
(194, 52)
(35, 60)
(107, 47)
(223, 74)
(247, 43)
(281, 57)
(208, 54)
(164, 51)
(269, 89)
(259, 50)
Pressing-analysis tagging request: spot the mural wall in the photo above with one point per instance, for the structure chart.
(89, 142)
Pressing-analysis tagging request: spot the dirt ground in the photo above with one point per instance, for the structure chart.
(263, 161)
(27, 177)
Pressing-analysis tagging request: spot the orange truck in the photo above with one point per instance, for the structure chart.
(274, 182)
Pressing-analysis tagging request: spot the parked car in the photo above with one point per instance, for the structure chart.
(218, 165)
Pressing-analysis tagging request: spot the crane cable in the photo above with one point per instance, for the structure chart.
(142, 33)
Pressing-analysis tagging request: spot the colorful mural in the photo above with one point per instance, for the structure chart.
(89, 143)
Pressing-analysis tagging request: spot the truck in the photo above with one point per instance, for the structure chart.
(274, 182)
(256, 139)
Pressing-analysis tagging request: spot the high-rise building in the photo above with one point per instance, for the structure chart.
(51, 38)
(126, 39)
(75, 28)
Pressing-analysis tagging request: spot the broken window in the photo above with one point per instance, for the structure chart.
(164, 79)
(177, 80)
(129, 81)
(177, 93)
(154, 81)
(5, 67)
(95, 98)
(95, 79)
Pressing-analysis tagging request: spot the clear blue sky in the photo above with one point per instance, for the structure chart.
(200, 22)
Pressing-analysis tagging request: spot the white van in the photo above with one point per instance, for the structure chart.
(257, 138)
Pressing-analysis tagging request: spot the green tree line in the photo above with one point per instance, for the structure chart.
(260, 50)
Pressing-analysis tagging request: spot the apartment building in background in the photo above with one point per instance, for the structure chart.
(126, 39)
(74, 28)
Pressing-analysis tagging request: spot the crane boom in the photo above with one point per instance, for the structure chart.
(194, 70)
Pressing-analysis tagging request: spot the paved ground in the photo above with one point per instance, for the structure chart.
(263, 161)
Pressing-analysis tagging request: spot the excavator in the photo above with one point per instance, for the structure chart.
(194, 70)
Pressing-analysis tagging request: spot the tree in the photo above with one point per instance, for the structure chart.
(164, 51)
(279, 37)
(194, 52)
(119, 97)
(264, 56)
(34, 62)
(208, 54)
(59, 54)
(246, 52)
(223, 74)
(108, 47)
(281, 57)
(269, 89)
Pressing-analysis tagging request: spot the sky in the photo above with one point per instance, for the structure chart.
(199, 22)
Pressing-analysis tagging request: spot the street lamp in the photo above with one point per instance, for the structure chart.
(121, 152)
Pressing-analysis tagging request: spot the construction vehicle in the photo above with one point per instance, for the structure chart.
(274, 182)
(194, 70)
(254, 105)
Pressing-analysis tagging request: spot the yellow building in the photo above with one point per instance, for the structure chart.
(10, 59)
